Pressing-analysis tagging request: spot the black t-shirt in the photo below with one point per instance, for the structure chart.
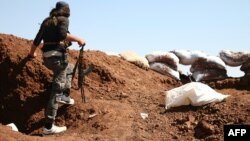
(53, 29)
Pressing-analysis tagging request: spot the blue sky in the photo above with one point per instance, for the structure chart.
(142, 26)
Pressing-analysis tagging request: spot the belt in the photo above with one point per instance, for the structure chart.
(52, 53)
(54, 43)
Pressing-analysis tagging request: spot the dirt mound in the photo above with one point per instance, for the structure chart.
(117, 92)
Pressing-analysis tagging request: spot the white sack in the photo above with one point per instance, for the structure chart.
(216, 60)
(188, 57)
(210, 62)
(164, 69)
(164, 57)
(194, 93)
(211, 74)
(112, 54)
(135, 59)
(234, 59)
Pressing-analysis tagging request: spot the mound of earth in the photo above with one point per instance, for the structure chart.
(117, 93)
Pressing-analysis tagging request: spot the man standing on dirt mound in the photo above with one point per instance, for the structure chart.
(56, 39)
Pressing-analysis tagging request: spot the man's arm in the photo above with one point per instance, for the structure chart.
(33, 51)
(73, 38)
(36, 42)
(65, 35)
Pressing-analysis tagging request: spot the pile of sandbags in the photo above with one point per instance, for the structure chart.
(208, 68)
(203, 67)
(235, 59)
(165, 63)
(188, 57)
(132, 57)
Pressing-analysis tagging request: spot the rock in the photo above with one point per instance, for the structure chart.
(203, 129)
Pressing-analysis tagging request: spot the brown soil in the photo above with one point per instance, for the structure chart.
(117, 91)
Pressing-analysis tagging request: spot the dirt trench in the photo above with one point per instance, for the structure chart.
(117, 92)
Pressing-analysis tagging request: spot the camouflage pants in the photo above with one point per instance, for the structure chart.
(62, 76)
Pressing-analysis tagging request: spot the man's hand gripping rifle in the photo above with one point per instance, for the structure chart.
(81, 73)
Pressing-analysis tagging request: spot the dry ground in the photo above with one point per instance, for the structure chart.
(117, 92)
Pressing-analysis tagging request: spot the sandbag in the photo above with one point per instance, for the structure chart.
(187, 57)
(245, 67)
(194, 93)
(112, 54)
(132, 57)
(211, 74)
(210, 62)
(165, 70)
(234, 59)
(167, 58)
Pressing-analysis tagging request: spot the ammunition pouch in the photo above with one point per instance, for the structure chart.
(67, 44)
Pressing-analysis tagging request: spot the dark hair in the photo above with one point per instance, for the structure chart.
(61, 4)
(64, 11)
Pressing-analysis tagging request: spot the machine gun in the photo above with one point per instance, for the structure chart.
(81, 73)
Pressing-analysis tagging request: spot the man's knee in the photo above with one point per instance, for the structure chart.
(69, 69)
